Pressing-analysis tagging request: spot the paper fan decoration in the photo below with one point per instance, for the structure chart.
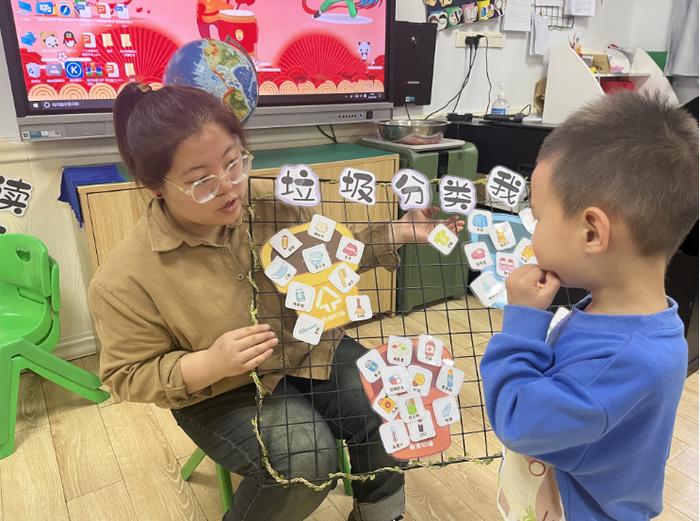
(321, 57)
(222, 68)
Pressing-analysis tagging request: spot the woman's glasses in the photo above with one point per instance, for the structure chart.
(205, 189)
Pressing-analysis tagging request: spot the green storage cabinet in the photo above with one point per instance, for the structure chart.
(425, 275)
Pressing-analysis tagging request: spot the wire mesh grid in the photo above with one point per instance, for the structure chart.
(459, 320)
(556, 17)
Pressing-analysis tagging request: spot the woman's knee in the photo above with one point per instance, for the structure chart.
(302, 449)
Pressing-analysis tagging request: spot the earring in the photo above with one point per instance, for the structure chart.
(159, 195)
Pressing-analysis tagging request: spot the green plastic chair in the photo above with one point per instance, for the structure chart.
(29, 329)
(223, 476)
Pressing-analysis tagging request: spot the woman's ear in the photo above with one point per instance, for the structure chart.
(596, 227)
(155, 192)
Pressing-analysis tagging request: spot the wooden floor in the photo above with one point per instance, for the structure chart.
(120, 462)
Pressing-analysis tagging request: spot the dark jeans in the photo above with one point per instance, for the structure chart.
(299, 424)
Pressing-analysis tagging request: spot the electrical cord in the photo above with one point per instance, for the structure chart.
(529, 110)
(470, 61)
(488, 77)
(408, 114)
(464, 84)
(332, 138)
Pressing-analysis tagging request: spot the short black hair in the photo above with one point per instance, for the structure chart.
(635, 156)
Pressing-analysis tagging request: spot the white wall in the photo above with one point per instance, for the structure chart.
(650, 24)
(626, 22)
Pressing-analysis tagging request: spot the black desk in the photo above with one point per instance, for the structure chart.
(516, 146)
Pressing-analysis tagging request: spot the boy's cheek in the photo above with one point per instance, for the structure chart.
(536, 245)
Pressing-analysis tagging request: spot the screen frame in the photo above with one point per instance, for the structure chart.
(22, 103)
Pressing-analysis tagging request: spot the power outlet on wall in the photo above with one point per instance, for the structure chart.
(496, 39)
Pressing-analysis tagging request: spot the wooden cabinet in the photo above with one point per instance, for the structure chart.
(112, 210)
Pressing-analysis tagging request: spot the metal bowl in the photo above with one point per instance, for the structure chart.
(412, 131)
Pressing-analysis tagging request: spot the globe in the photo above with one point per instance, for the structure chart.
(221, 68)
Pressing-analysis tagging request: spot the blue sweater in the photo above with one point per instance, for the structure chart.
(598, 404)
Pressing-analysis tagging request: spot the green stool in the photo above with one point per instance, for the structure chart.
(29, 329)
(224, 478)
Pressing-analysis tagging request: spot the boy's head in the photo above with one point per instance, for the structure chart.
(617, 179)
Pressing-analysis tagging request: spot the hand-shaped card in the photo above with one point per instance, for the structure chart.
(499, 243)
(403, 380)
(315, 265)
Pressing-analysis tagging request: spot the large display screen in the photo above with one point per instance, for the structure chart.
(76, 55)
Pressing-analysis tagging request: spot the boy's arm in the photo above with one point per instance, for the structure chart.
(553, 418)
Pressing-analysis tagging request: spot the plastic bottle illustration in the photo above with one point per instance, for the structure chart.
(285, 242)
(450, 378)
(360, 311)
(411, 406)
(394, 435)
(446, 410)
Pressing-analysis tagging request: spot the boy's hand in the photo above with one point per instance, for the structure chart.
(531, 286)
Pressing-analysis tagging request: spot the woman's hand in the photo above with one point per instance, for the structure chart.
(233, 353)
(416, 225)
(242, 350)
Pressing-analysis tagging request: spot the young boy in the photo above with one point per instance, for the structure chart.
(586, 413)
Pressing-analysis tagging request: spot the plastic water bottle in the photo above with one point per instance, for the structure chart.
(501, 105)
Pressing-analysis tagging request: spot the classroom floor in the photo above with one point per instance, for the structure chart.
(121, 462)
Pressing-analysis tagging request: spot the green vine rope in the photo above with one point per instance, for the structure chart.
(261, 393)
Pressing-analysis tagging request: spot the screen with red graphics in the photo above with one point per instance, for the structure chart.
(75, 56)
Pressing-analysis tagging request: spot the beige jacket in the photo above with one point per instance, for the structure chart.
(161, 294)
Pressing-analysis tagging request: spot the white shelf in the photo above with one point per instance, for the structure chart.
(622, 74)
(571, 84)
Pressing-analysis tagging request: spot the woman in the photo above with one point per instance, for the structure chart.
(172, 311)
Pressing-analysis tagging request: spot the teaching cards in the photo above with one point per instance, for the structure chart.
(300, 296)
(343, 277)
(350, 250)
(308, 329)
(450, 378)
(370, 365)
(359, 307)
(443, 239)
(446, 410)
(419, 378)
(280, 271)
(479, 221)
(316, 258)
(321, 228)
(502, 236)
(399, 350)
(478, 255)
(394, 436)
(395, 379)
(429, 350)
